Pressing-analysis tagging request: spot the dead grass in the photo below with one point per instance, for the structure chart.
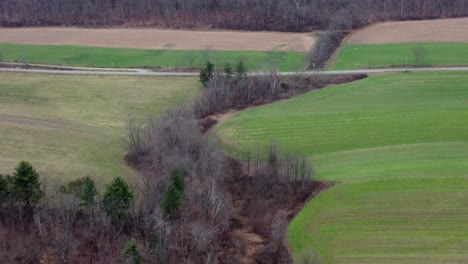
(72, 126)
(441, 30)
(159, 39)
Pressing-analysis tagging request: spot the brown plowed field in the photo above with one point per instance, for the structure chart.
(441, 30)
(158, 39)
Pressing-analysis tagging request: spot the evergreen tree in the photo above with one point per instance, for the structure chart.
(131, 253)
(241, 70)
(206, 73)
(5, 188)
(25, 184)
(172, 200)
(117, 199)
(177, 178)
(228, 70)
(88, 192)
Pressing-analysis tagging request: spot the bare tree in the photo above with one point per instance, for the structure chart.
(137, 140)
(283, 15)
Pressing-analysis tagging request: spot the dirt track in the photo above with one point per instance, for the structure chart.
(442, 30)
(158, 39)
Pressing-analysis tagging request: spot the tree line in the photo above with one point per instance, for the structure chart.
(280, 15)
(23, 191)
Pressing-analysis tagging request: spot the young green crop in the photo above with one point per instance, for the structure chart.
(397, 144)
(164, 59)
(400, 55)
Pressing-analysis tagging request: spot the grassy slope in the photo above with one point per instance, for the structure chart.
(369, 56)
(390, 139)
(71, 126)
(384, 110)
(118, 57)
(404, 221)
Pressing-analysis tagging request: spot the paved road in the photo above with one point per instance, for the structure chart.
(141, 72)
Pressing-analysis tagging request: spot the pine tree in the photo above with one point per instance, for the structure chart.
(5, 188)
(172, 200)
(206, 73)
(228, 70)
(117, 199)
(88, 192)
(131, 253)
(25, 184)
(241, 70)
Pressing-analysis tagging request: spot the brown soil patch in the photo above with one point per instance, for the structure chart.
(441, 30)
(159, 39)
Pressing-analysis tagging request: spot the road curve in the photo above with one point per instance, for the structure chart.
(140, 72)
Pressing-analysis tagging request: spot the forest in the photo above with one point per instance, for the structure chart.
(276, 15)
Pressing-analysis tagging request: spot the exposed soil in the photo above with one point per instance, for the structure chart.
(440, 30)
(159, 39)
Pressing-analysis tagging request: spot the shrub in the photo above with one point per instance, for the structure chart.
(83, 188)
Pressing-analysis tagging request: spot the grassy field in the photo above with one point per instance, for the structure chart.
(165, 59)
(384, 55)
(398, 143)
(73, 126)
(404, 221)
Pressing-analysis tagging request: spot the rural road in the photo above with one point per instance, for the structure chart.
(141, 72)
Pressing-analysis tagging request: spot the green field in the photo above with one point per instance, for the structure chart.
(73, 126)
(387, 55)
(164, 59)
(398, 143)
(404, 221)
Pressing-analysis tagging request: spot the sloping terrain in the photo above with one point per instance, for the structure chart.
(73, 126)
(399, 147)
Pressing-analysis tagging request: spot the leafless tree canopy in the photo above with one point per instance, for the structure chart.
(282, 15)
(224, 93)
